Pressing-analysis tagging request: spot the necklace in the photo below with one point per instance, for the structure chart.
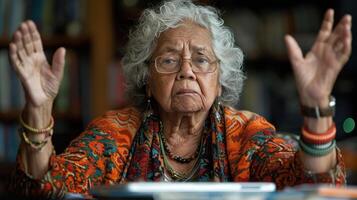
(178, 158)
(173, 174)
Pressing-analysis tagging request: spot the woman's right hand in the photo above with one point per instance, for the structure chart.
(40, 80)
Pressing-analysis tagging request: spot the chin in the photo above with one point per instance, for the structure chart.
(187, 109)
(188, 104)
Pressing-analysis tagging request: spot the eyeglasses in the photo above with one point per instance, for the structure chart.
(168, 64)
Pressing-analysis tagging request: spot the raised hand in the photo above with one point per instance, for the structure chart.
(316, 72)
(40, 80)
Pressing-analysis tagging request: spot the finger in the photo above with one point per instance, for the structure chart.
(340, 29)
(58, 62)
(294, 51)
(348, 37)
(26, 39)
(19, 46)
(326, 26)
(15, 60)
(35, 35)
(347, 42)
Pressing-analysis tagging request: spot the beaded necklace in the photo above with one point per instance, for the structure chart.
(173, 174)
(177, 158)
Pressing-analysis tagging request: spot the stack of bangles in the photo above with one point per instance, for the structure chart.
(26, 129)
(318, 144)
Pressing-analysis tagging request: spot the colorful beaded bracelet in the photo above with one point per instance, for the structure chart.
(315, 151)
(329, 130)
(319, 146)
(318, 139)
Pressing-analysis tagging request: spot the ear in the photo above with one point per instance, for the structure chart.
(219, 92)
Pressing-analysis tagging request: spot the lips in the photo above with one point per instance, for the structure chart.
(185, 91)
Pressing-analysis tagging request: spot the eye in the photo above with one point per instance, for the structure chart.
(201, 60)
(168, 61)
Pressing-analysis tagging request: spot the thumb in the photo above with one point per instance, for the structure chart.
(294, 50)
(58, 62)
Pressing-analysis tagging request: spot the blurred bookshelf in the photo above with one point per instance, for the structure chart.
(269, 90)
(84, 28)
(259, 28)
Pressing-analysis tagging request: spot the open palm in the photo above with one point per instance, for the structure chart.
(40, 80)
(316, 73)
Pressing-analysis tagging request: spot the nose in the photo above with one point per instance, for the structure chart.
(186, 70)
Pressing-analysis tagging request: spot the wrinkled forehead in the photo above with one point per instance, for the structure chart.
(186, 35)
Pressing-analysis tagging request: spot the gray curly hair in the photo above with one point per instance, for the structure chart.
(142, 42)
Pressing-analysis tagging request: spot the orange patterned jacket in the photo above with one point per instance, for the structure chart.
(111, 150)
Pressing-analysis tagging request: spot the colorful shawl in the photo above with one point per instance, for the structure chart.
(123, 147)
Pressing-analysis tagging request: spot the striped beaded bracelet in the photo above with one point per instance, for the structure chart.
(317, 152)
(318, 139)
(318, 146)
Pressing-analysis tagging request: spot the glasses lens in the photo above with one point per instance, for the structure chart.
(172, 64)
(202, 64)
(167, 64)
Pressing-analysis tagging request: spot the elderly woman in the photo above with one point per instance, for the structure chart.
(183, 73)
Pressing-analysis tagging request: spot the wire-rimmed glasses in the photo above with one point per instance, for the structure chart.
(168, 64)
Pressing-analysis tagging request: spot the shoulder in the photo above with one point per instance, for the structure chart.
(246, 129)
(252, 130)
(247, 121)
(252, 139)
(125, 120)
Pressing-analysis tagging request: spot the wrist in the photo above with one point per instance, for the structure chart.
(318, 109)
(321, 102)
(37, 116)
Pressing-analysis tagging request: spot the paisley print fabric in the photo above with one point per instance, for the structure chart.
(122, 147)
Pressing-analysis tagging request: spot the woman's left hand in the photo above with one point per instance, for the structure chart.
(316, 72)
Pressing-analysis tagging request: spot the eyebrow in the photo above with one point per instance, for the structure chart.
(171, 49)
(200, 49)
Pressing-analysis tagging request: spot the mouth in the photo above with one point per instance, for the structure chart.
(186, 92)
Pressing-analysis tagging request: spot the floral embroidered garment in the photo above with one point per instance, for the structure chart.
(121, 147)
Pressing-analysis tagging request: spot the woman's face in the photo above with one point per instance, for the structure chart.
(184, 91)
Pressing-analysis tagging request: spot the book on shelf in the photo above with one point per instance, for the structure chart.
(116, 85)
(260, 32)
(11, 92)
(9, 142)
(2, 143)
(85, 91)
(51, 16)
(5, 85)
(68, 98)
(12, 13)
(3, 20)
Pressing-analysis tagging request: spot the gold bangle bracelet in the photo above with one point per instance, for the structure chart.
(34, 144)
(34, 130)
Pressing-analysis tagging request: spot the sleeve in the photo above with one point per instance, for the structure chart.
(97, 156)
(278, 161)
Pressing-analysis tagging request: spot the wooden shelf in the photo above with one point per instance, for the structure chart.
(57, 41)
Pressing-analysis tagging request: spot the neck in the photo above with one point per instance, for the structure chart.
(182, 128)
